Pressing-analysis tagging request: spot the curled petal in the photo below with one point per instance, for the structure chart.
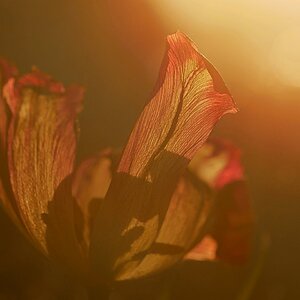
(41, 148)
(188, 100)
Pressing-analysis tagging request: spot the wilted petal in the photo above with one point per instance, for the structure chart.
(41, 149)
(189, 99)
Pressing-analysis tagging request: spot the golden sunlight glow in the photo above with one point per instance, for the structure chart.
(266, 31)
(285, 56)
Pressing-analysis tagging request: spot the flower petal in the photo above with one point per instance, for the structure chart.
(189, 99)
(7, 71)
(89, 187)
(234, 223)
(205, 250)
(183, 224)
(217, 163)
(41, 146)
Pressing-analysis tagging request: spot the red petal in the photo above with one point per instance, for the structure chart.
(217, 163)
(187, 104)
(41, 148)
(7, 71)
(234, 223)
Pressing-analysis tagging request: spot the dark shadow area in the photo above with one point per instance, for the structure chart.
(131, 199)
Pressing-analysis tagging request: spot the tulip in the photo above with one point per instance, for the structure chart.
(113, 220)
(218, 164)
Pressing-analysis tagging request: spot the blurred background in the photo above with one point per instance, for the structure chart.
(114, 48)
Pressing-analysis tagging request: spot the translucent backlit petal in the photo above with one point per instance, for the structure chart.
(190, 97)
(40, 150)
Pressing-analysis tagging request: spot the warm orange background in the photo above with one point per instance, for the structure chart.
(114, 48)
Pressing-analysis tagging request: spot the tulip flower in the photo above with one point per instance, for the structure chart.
(218, 164)
(106, 219)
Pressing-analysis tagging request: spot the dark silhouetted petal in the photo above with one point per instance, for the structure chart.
(234, 223)
(90, 185)
(182, 225)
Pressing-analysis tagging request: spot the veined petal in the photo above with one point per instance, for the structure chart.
(189, 98)
(41, 150)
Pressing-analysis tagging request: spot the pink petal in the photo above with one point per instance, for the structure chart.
(217, 163)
